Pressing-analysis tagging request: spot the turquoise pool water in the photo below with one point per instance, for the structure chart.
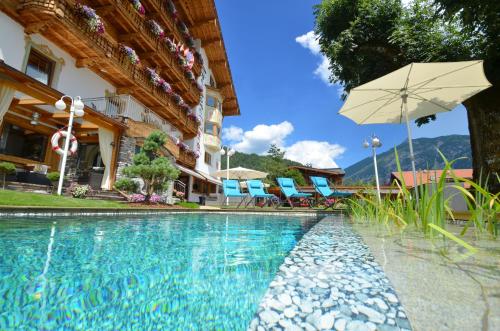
(171, 272)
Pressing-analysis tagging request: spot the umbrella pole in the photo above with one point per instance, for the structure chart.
(410, 143)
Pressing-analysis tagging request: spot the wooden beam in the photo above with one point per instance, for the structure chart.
(29, 102)
(126, 90)
(202, 22)
(211, 42)
(37, 27)
(105, 10)
(60, 115)
(128, 37)
(88, 62)
(89, 125)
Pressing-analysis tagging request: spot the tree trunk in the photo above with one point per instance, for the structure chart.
(483, 112)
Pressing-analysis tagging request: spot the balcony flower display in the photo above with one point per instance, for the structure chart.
(154, 78)
(192, 115)
(166, 87)
(156, 29)
(194, 154)
(171, 9)
(182, 146)
(138, 6)
(93, 20)
(170, 45)
(131, 54)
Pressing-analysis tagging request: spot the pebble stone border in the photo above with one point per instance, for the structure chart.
(330, 281)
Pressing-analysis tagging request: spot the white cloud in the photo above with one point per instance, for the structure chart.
(233, 133)
(320, 154)
(311, 42)
(262, 136)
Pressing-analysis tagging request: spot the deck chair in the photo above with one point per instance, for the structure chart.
(256, 190)
(323, 188)
(232, 189)
(288, 188)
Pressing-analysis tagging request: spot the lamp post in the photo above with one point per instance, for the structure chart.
(76, 109)
(230, 152)
(375, 143)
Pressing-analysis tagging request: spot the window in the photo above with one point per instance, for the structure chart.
(23, 143)
(40, 67)
(208, 158)
(211, 101)
(209, 128)
(212, 81)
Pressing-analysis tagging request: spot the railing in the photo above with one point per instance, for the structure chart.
(180, 187)
(127, 106)
(187, 158)
(109, 52)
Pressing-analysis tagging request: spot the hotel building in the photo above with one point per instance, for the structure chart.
(139, 66)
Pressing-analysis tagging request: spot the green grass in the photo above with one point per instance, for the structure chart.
(14, 198)
(188, 205)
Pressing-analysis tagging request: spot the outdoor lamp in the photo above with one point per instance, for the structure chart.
(34, 118)
(222, 151)
(375, 143)
(231, 152)
(78, 105)
(60, 104)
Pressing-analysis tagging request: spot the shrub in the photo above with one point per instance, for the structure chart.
(6, 168)
(155, 198)
(80, 191)
(137, 197)
(127, 185)
(53, 176)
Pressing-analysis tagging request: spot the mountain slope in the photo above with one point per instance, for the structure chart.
(426, 157)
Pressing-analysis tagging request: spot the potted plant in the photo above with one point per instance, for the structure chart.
(53, 177)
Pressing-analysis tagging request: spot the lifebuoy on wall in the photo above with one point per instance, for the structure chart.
(55, 143)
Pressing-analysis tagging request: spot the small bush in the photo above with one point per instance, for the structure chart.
(53, 176)
(155, 198)
(126, 185)
(80, 191)
(137, 198)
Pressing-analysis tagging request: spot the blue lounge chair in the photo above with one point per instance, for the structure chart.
(288, 188)
(232, 189)
(323, 188)
(256, 190)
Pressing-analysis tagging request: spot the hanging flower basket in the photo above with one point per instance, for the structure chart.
(93, 20)
(166, 87)
(156, 29)
(171, 45)
(138, 6)
(131, 54)
(154, 78)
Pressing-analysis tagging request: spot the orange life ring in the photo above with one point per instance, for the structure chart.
(55, 143)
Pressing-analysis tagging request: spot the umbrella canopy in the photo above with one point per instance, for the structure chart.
(240, 173)
(414, 91)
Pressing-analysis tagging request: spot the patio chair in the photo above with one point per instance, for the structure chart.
(256, 190)
(232, 189)
(288, 188)
(322, 186)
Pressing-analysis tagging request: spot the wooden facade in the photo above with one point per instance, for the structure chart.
(334, 176)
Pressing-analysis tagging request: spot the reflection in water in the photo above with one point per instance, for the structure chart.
(177, 271)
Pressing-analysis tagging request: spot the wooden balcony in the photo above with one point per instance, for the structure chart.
(157, 10)
(58, 21)
(187, 159)
(129, 27)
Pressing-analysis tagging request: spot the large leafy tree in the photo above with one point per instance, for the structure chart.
(365, 39)
(155, 170)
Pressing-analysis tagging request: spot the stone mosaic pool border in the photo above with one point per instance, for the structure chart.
(65, 212)
(327, 284)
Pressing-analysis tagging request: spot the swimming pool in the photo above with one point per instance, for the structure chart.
(180, 271)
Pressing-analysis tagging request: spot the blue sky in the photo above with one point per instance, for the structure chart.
(283, 95)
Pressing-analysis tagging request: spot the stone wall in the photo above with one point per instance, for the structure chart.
(126, 154)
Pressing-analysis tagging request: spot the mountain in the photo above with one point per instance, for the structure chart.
(251, 161)
(426, 157)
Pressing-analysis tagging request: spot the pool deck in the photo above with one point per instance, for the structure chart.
(330, 281)
(21, 211)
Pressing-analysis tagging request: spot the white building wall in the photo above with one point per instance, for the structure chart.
(68, 78)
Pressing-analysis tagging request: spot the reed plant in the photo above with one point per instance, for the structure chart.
(433, 211)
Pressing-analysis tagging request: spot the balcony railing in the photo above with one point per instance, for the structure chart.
(109, 53)
(187, 159)
(126, 106)
(212, 142)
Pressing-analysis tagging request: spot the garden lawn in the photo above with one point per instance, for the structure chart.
(15, 198)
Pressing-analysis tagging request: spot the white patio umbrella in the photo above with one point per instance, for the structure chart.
(414, 91)
(240, 173)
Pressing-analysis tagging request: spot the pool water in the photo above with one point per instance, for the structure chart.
(170, 272)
